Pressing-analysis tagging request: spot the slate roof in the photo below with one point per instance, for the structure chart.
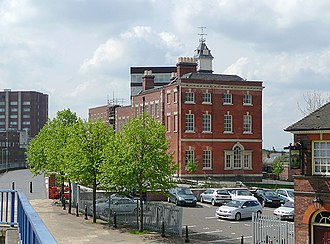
(317, 120)
(212, 77)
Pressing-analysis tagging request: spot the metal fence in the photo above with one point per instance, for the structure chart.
(155, 214)
(270, 229)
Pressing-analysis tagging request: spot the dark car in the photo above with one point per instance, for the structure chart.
(182, 196)
(269, 198)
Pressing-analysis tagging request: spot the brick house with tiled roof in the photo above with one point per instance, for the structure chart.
(312, 187)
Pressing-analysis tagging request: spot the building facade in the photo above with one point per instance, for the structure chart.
(312, 186)
(213, 119)
(22, 115)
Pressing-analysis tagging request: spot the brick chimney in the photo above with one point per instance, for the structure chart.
(186, 65)
(148, 80)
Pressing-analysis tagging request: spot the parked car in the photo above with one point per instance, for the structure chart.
(242, 194)
(268, 197)
(118, 204)
(288, 194)
(182, 196)
(286, 212)
(239, 209)
(215, 196)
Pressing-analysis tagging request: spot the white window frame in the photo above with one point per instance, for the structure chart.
(228, 123)
(189, 97)
(228, 98)
(247, 124)
(207, 159)
(175, 126)
(207, 98)
(190, 123)
(206, 123)
(321, 157)
(168, 123)
(189, 155)
(247, 99)
(238, 158)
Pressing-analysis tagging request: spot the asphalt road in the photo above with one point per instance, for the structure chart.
(21, 179)
(204, 226)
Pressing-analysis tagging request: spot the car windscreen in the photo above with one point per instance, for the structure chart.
(222, 192)
(244, 193)
(290, 193)
(271, 194)
(185, 192)
(289, 204)
(234, 203)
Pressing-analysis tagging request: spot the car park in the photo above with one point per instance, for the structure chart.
(215, 196)
(182, 196)
(239, 209)
(268, 197)
(288, 194)
(285, 212)
(242, 194)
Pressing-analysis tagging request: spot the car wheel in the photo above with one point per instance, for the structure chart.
(213, 202)
(176, 202)
(202, 200)
(237, 216)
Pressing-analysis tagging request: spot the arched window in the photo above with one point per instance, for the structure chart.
(237, 157)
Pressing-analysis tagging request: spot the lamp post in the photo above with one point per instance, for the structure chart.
(317, 202)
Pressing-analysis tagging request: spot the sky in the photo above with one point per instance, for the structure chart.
(79, 51)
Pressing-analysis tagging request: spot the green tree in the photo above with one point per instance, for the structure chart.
(191, 166)
(84, 151)
(139, 159)
(46, 152)
(278, 166)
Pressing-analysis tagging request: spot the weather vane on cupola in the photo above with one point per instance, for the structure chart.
(202, 34)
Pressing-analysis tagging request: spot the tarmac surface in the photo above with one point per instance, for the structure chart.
(68, 228)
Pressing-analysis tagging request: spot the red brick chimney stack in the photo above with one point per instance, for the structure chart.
(148, 80)
(186, 65)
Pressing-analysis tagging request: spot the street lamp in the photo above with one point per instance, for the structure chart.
(317, 202)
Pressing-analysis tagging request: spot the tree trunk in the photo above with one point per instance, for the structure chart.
(94, 199)
(70, 197)
(141, 212)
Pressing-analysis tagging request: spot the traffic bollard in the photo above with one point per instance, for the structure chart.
(30, 186)
(163, 229)
(86, 212)
(114, 220)
(242, 239)
(13, 186)
(77, 210)
(187, 238)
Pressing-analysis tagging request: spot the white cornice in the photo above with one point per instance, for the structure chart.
(220, 140)
(299, 132)
(221, 87)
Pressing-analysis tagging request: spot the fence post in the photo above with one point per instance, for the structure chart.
(86, 212)
(13, 186)
(187, 238)
(77, 210)
(242, 239)
(114, 220)
(163, 229)
(30, 186)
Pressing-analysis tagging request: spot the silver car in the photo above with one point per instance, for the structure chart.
(118, 205)
(285, 212)
(239, 209)
(215, 196)
(288, 194)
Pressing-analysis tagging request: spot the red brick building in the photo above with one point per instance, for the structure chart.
(312, 187)
(215, 119)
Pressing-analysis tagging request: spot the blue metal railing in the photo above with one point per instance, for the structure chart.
(31, 229)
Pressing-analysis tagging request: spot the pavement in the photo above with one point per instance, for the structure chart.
(68, 228)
